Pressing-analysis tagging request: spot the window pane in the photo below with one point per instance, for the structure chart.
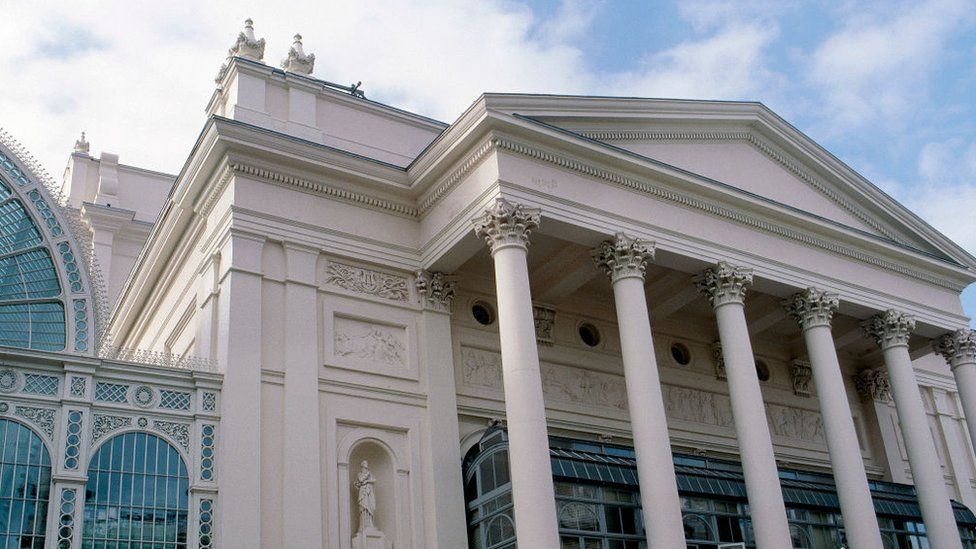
(146, 485)
(25, 478)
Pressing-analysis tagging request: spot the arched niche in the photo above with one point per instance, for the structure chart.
(386, 453)
(382, 468)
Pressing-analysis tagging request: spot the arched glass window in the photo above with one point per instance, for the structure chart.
(31, 316)
(137, 491)
(25, 486)
(697, 528)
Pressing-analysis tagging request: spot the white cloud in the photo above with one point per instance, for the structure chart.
(137, 77)
(729, 64)
(946, 193)
(877, 68)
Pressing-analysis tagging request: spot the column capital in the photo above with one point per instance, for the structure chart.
(623, 257)
(873, 384)
(958, 347)
(507, 224)
(812, 307)
(724, 283)
(890, 328)
(436, 290)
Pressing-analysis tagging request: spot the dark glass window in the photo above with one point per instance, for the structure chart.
(137, 491)
(30, 315)
(25, 486)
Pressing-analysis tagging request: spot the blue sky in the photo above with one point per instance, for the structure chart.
(888, 87)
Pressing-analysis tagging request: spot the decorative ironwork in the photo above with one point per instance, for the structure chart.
(42, 417)
(72, 440)
(174, 400)
(111, 392)
(180, 432)
(38, 384)
(208, 447)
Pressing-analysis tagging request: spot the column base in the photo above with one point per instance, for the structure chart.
(370, 539)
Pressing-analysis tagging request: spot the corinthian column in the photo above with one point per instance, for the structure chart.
(624, 260)
(813, 310)
(725, 286)
(959, 350)
(506, 227)
(891, 331)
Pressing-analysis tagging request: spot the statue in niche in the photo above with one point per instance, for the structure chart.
(367, 500)
(368, 536)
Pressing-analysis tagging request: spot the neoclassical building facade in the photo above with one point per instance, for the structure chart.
(557, 322)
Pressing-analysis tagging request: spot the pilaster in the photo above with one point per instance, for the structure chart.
(443, 490)
(302, 482)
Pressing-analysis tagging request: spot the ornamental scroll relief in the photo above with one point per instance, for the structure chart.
(365, 281)
(483, 369)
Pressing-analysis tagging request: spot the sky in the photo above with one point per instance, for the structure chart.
(889, 87)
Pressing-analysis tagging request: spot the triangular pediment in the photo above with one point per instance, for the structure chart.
(742, 145)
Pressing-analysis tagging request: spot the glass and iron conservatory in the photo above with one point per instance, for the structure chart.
(598, 501)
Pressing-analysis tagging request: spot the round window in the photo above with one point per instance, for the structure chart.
(680, 354)
(483, 313)
(589, 335)
(762, 370)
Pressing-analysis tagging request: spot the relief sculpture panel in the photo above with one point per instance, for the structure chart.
(483, 369)
(370, 341)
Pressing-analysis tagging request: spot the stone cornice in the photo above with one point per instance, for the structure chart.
(755, 222)
(764, 146)
(332, 191)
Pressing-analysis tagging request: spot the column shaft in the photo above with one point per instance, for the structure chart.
(929, 483)
(755, 445)
(655, 467)
(965, 375)
(532, 489)
(860, 521)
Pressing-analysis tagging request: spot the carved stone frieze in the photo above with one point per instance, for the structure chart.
(545, 319)
(436, 290)
(957, 348)
(365, 281)
(481, 368)
(369, 341)
(586, 388)
(718, 359)
(43, 418)
(873, 384)
(180, 432)
(801, 374)
(104, 424)
(623, 257)
(724, 283)
(812, 307)
(890, 328)
(507, 224)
